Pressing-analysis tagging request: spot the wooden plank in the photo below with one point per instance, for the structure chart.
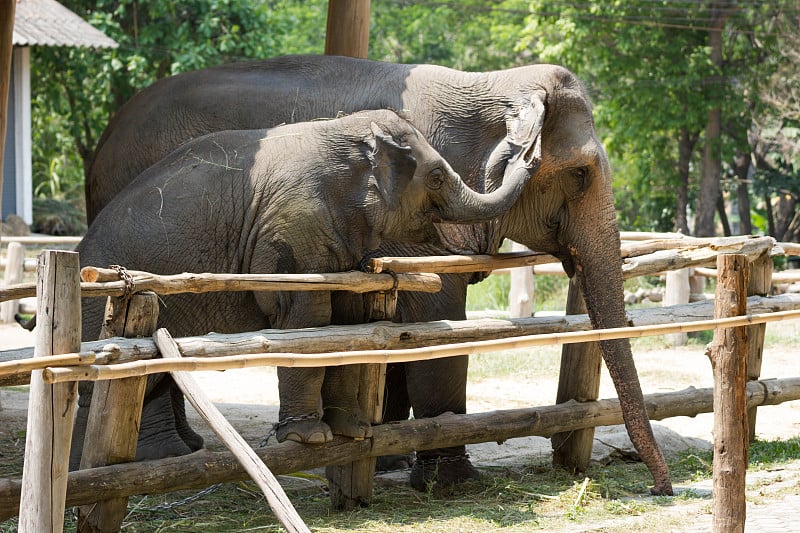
(258, 471)
(112, 426)
(51, 407)
(205, 468)
(728, 354)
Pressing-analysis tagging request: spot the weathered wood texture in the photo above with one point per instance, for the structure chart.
(51, 407)
(350, 485)
(15, 262)
(358, 282)
(759, 283)
(134, 368)
(374, 336)
(347, 32)
(728, 353)
(578, 380)
(112, 427)
(258, 471)
(204, 468)
(676, 293)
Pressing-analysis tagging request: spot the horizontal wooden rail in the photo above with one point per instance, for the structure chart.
(53, 375)
(204, 468)
(359, 282)
(377, 335)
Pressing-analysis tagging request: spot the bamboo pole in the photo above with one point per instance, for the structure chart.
(40, 239)
(258, 471)
(108, 430)
(728, 354)
(151, 366)
(204, 468)
(347, 32)
(51, 407)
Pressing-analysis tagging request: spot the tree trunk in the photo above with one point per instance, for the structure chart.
(741, 167)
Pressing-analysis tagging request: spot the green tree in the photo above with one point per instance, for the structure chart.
(78, 90)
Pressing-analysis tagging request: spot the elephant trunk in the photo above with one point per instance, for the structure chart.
(458, 203)
(599, 275)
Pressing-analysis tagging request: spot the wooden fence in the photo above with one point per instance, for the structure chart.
(46, 486)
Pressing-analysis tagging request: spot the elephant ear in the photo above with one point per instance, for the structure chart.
(525, 133)
(393, 166)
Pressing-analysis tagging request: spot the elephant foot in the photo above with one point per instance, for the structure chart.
(348, 423)
(390, 463)
(441, 469)
(160, 445)
(303, 429)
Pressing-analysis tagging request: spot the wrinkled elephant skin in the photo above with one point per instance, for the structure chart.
(567, 208)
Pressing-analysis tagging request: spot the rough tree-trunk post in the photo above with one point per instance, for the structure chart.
(350, 485)
(15, 265)
(759, 285)
(347, 32)
(677, 292)
(728, 354)
(578, 379)
(112, 428)
(51, 407)
(520, 294)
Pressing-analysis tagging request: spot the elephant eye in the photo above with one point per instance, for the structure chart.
(581, 175)
(434, 179)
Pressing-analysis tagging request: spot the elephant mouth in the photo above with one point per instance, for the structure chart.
(568, 262)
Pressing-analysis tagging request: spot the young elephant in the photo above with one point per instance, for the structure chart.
(307, 197)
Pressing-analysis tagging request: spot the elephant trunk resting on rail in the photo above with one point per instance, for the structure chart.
(567, 208)
(301, 198)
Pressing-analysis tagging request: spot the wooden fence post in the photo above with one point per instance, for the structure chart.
(112, 428)
(15, 263)
(677, 292)
(759, 285)
(728, 354)
(51, 407)
(578, 379)
(350, 485)
(520, 293)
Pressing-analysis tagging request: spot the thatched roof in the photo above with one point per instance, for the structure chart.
(46, 22)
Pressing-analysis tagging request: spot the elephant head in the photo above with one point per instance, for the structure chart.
(435, 192)
(567, 210)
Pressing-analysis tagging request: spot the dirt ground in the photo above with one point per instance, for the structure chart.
(248, 398)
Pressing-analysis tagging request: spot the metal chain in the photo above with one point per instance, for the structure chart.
(288, 420)
(440, 460)
(125, 276)
(184, 501)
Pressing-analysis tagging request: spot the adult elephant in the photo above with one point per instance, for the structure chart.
(567, 208)
(300, 198)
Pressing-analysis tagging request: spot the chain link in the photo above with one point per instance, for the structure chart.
(288, 420)
(125, 276)
(172, 505)
(440, 460)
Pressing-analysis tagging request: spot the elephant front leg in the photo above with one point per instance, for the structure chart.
(300, 413)
(340, 404)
